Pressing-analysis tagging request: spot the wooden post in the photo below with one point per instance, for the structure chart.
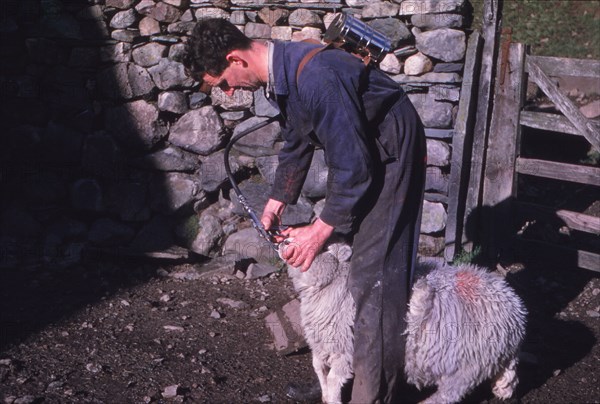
(461, 147)
(503, 143)
(490, 32)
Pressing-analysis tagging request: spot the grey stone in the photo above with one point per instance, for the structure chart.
(378, 9)
(171, 159)
(61, 143)
(430, 246)
(303, 18)
(247, 244)
(429, 6)
(149, 55)
(357, 3)
(448, 45)
(109, 233)
(101, 156)
(125, 35)
(169, 74)
(307, 33)
(199, 131)
(145, 7)
(256, 271)
(86, 195)
(156, 235)
(210, 233)
(438, 153)
(149, 26)
(119, 52)
(259, 143)
(120, 4)
(136, 124)
(257, 31)
(273, 17)
(429, 78)
(237, 17)
(445, 93)
(434, 217)
(181, 28)
(286, 329)
(390, 64)
(434, 21)
(393, 29)
(178, 3)
(187, 16)
(173, 101)
(234, 304)
(448, 67)
(140, 82)
(173, 191)
(262, 106)
(44, 188)
(17, 222)
(212, 12)
(196, 100)
(417, 65)
(176, 52)
(434, 114)
(91, 13)
(436, 180)
(212, 171)
(163, 12)
(233, 116)
(241, 99)
(113, 82)
(123, 19)
(128, 199)
(281, 33)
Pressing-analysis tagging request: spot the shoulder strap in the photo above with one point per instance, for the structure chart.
(307, 58)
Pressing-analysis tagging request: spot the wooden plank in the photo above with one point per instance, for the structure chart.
(461, 147)
(557, 254)
(573, 220)
(559, 171)
(554, 66)
(490, 33)
(504, 137)
(564, 104)
(551, 122)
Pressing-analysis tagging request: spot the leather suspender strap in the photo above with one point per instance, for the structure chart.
(307, 58)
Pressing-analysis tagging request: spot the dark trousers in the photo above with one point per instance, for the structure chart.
(383, 258)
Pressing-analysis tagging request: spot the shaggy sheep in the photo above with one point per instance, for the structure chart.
(464, 325)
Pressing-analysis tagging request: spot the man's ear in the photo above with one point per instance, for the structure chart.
(235, 58)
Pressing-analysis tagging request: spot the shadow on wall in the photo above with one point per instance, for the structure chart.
(79, 137)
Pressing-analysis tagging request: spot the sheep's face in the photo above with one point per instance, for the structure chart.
(327, 265)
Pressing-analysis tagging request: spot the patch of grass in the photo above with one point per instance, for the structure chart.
(466, 257)
(565, 28)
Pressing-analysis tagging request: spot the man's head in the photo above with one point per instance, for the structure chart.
(219, 54)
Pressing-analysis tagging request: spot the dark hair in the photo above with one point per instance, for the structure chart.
(212, 39)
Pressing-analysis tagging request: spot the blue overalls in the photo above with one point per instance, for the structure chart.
(374, 147)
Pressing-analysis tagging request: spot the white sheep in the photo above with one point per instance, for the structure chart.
(464, 325)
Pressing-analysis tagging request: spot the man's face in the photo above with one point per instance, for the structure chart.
(236, 76)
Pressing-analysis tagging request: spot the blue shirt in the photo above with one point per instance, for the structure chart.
(338, 104)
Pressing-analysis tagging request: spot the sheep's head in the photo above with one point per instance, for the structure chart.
(328, 264)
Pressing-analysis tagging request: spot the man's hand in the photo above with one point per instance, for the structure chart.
(272, 214)
(305, 243)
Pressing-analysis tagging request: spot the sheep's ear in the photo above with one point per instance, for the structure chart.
(342, 252)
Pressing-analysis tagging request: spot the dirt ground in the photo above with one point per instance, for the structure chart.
(126, 331)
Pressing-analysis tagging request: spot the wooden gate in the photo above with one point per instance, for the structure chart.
(501, 204)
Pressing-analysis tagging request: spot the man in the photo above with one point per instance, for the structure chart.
(374, 147)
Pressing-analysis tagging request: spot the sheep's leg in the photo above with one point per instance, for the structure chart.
(450, 390)
(321, 369)
(339, 374)
(506, 381)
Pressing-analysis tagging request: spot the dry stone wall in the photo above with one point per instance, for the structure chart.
(107, 143)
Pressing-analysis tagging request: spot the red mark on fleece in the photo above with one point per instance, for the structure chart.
(467, 285)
